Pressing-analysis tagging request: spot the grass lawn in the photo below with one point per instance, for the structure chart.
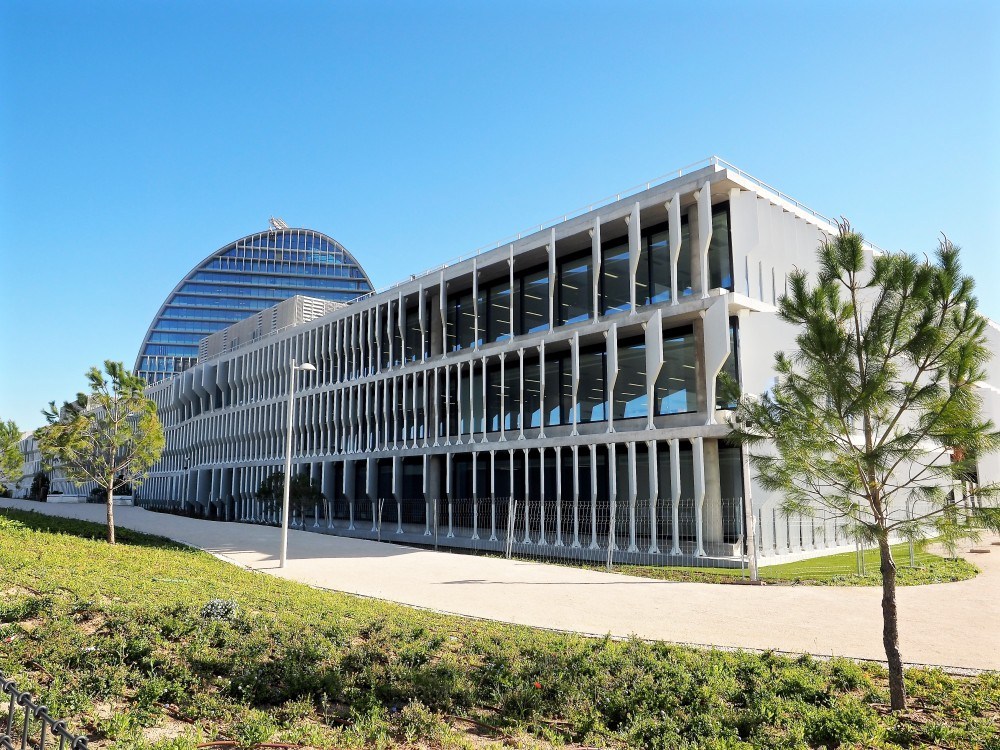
(149, 643)
(830, 570)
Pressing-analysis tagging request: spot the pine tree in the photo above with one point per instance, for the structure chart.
(875, 418)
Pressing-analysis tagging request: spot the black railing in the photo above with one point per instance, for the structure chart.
(29, 725)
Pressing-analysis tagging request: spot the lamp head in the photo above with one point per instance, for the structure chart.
(306, 366)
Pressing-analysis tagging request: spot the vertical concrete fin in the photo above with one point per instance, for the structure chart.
(717, 349)
(674, 230)
(634, 239)
(654, 361)
(704, 233)
(595, 260)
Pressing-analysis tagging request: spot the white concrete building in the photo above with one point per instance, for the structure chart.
(556, 392)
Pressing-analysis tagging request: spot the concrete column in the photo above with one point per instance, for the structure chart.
(520, 418)
(613, 496)
(634, 241)
(527, 487)
(493, 494)
(448, 486)
(612, 372)
(712, 514)
(427, 495)
(483, 403)
(433, 486)
(593, 497)
(371, 481)
(654, 493)
(397, 490)
(704, 234)
(503, 388)
(541, 390)
(632, 497)
(475, 491)
(675, 495)
(698, 445)
(595, 262)
(576, 496)
(552, 279)
(559, 539)
(575, 362)
(458, 402)
(350, 492)
(541, 494)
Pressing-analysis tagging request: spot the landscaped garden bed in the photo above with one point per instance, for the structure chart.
(152, 643)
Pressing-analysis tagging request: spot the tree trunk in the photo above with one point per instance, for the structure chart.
(111, 510)
(890, 626)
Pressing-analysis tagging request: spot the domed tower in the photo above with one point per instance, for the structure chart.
(245, 276)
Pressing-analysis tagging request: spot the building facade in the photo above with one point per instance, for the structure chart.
(558, 393)
(244, 277)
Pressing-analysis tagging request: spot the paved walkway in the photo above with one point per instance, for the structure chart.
(952, 624)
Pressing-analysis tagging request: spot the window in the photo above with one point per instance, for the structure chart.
(554, 397)
(720, 271)
(729, 368)
(512, 394)
(630, 387)
(497, 308)
(532, 302)
(413, 336)
(575, 278)
(493, 391)
(532, 393)
(591, 396)
(461, 320)
(615, 278)
(677, 385)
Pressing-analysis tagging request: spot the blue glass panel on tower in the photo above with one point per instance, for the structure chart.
(248, 275)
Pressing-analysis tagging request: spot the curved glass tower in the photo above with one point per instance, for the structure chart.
(234, 282)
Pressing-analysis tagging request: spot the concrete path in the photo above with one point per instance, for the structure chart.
(951, 624)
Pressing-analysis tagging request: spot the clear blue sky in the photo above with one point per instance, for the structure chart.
(138, 137)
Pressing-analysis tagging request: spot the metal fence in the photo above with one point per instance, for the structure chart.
(28, 724)
(584, 532)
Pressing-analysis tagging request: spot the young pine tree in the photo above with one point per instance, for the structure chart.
(875, 418)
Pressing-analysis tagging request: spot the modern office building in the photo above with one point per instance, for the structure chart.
(555, 394)
(558, 390)
(244, 277)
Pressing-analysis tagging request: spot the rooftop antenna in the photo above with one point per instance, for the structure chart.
(277, 223)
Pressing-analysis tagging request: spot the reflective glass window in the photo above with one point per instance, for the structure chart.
(592, 395)
(677, 385)
(720, 272)
(532, 393)
(498, 311)
(615, 279)
(575, 277)
(631, 398)
(512, 394)
(533, 302)
(553, 388)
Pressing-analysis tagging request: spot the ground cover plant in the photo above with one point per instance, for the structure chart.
(151, 643)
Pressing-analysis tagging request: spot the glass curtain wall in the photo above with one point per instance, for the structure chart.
(631, 399)
(677, 385)
(615, 278)
(531, 303)
(575, 279)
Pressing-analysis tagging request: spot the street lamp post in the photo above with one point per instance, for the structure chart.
(288, 460)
